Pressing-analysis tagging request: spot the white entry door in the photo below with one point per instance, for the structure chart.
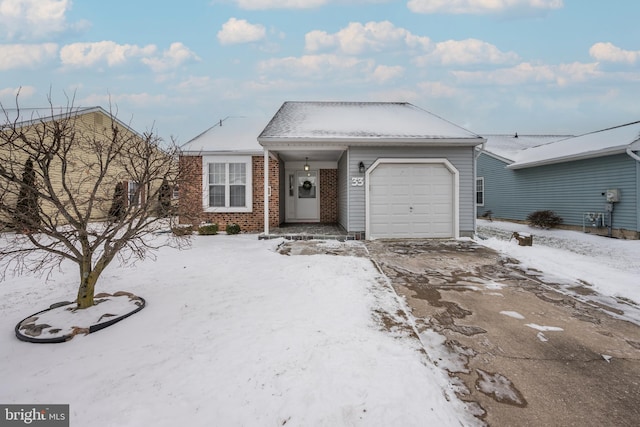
(307, 197)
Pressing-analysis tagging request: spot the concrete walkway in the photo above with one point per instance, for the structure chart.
(524, 353)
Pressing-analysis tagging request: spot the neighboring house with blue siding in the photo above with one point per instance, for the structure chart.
(570, 176)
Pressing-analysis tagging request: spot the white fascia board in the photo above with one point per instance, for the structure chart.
(223, 153)
(282, 143)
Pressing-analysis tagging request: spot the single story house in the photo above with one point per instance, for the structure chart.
(591, 181)
(377, 169)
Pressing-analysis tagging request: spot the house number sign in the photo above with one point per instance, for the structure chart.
(357, 182)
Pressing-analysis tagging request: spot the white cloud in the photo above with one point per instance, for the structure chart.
(26, 55)
(176, 55)
(561, 75)
(113, 101)
(464, 52)
(357, 38)
(11, 92)
(384, 73)
(194, 83)
(32, 18)
(280, 4)
(608, 52)
(236, 31)
(319, 65)
(479, 6)
(438, 90)
(111, 53)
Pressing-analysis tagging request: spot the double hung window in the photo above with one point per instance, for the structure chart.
(227, 184)
(480, 191)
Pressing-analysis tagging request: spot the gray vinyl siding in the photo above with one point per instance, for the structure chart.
(570, 189)
(461, 157)
(343, 191)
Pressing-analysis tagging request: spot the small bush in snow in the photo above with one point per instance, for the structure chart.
(233, 229)
(544, 219)
(182, 230)
(208, 229)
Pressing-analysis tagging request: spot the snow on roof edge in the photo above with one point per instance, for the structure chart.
(566, 153)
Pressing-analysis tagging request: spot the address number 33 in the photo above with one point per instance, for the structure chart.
(357, 182)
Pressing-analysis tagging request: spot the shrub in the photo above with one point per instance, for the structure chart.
(164, 199)
(208, 229)
(233, 229)
(27, 212)
(544, 219)
(182, 230)
(118, 207)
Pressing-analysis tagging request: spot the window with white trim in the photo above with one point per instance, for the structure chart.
(480, 191)
(134, 193)
(227, 184)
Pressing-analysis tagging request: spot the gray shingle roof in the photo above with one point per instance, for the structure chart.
(507, 147)
(594, 144)
(230, 135)
(382, 121)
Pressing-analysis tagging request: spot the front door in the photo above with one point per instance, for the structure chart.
(307, 197)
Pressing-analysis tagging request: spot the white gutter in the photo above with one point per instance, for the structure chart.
(481, 150)
(632, 154)
(282, 142)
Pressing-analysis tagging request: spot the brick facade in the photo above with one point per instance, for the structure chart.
(329, 195)
(190, 205)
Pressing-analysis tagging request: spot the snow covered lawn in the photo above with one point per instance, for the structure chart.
(233, 334)
(609, 267)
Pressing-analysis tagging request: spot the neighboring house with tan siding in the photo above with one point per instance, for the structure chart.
(85, 135)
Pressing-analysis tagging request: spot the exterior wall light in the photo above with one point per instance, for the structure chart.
(306, 163)
(361, 167)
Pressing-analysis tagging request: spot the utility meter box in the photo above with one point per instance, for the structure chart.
(612, 195)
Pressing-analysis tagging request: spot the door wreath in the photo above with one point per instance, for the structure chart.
(307, 185)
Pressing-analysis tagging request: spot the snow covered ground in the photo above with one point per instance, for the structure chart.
(233, 334)
(610, 267)
(237, 334)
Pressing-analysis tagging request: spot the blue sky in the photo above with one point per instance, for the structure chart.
(492, 66)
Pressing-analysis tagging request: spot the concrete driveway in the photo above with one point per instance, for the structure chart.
(526, 354)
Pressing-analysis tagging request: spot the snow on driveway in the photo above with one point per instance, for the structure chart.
(233, 334)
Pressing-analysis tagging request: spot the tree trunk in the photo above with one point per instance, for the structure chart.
(88, 279)
(86, 291)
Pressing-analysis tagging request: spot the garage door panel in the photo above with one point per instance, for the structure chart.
(411, 200)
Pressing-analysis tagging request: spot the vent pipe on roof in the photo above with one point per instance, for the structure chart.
(220, 122)
(516, 135)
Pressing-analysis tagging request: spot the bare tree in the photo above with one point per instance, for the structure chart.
(79, 157)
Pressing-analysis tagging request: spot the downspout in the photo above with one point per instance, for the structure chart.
(634, 156)
(266, 192)
(475, 177)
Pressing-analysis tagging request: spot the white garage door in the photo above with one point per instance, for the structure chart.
(411, 200)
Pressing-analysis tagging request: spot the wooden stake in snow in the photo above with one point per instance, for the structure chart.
(524, 239)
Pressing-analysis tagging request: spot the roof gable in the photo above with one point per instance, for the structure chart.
(594, 144)
(364, 121)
